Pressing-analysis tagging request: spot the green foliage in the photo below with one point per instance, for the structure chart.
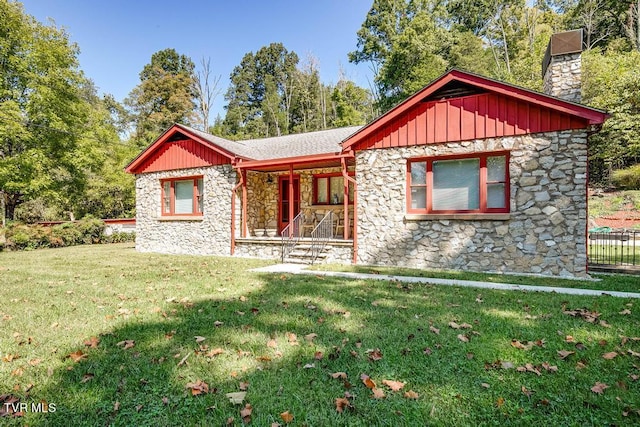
(164, 96)
(87, 231)
(627, 179)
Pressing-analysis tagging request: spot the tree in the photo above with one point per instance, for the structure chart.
(42, 113)
(260, 96)
(206, 90)
(351, 105)
(164, 96)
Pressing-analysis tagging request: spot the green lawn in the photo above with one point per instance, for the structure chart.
(281, 338)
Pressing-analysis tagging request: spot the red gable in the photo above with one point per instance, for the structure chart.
(178, 148)
(462, 106)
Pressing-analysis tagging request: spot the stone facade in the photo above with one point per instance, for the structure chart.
(209, 234)
(544, 233)
(563, 77)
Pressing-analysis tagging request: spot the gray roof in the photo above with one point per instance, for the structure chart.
(281, 147)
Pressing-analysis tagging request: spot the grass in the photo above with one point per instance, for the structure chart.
(55, 300)
(610, 203)
(605, 282)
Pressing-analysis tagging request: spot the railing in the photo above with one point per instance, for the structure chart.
(291, 235)
(321, 235)
(614, 248)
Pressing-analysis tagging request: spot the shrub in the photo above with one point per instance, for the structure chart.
(22, 236)
(627, 179)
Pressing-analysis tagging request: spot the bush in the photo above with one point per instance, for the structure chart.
(627, 179)
(21, 236)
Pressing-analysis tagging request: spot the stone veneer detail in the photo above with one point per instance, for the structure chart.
(544, 233)
(209, 234)
(563, 77)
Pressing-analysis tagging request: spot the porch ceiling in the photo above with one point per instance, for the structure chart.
(298, 163)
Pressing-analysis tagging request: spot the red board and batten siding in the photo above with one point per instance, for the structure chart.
(182, 154)
(487, 115)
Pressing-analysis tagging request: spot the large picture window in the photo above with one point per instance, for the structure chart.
(182, 196)
(458, 184)
(328, 189)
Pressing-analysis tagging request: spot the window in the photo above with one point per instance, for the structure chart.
(458, 184)
(328, 189)
(182, 196)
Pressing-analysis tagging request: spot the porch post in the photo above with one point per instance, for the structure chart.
(355, 208)
(243, 233)
(291, 201)
(345, 202)
(233, 210)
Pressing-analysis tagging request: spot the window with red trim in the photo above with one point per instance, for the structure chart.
(477, 183)
(182, 196)
(328, 189)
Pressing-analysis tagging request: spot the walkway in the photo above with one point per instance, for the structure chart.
(301, 269)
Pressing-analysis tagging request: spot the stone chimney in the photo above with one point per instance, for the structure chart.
(562, 66)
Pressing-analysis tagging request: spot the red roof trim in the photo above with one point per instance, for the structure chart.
(286, 161)
(594, 116)
(151, 149)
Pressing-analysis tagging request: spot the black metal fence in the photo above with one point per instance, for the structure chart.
(614, 248)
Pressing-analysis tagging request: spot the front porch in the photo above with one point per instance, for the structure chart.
(291, 200)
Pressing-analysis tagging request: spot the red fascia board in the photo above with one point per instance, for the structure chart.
(148, 152)
(593, 115)
(286, 161)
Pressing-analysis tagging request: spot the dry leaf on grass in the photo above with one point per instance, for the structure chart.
(434, 330)
(197, 388)
(286, 416)
(245, 413)
(599, 387)
(374, 355)
(393, 385)
(77, 356)
(126, 344)
(236, 398)
(563, 354)
(92, 342)
(411, 394)
(378, 393)
(342, 403)
(367, 381)
(610, 355)
(341, 375)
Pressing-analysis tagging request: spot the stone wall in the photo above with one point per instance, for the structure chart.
(209, 234)
(543, 234)
(563, 77)
(336, 252)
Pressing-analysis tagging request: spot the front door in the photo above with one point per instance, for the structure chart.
(283, 204)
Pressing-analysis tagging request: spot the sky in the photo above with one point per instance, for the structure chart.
(117, 37)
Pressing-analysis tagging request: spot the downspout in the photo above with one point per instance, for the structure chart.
(347, 178)
(233, 209)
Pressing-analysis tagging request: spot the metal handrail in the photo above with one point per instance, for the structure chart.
(291, 235)
(321, 235)
(609, 247)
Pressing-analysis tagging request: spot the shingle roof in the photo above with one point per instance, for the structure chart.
(279, 147)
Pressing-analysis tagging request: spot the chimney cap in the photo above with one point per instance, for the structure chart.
(562, 44)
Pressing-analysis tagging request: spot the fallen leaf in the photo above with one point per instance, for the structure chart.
(367, 381)
(485, 385)
(92, 342)
(625, 311)
(245, 413)
(34, 362)
(500, 402)
(463, 338)
(87, 377)
(610, 355)
(526, 391)
(454, 325)
(411, 394)
(569, 338)
(218, 323)
(272, 343)
(236, 398)
(198, 387)
(243, 386)
(318, 355)
(393, 385)
(126, 344)
(199, 339)
(434, 330)
(378, 393)
(599, 388)
(341, 375)
(292, 338)
(633, 353)
(563, 354)
(374, 355)
(11, 357)
(310, 337)
(116, 406)
(286, 416)
(342, 403)
(506, 365)
(309, 366)
(77, 356)
(214, 352)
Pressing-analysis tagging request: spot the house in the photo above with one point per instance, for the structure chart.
(469, 173)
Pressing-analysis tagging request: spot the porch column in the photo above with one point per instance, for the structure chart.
(243, 232)
(346, 177)
(233, 210)
(291, 211)
(345, 202)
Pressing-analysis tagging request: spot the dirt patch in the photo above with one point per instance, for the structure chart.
(620, 219)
